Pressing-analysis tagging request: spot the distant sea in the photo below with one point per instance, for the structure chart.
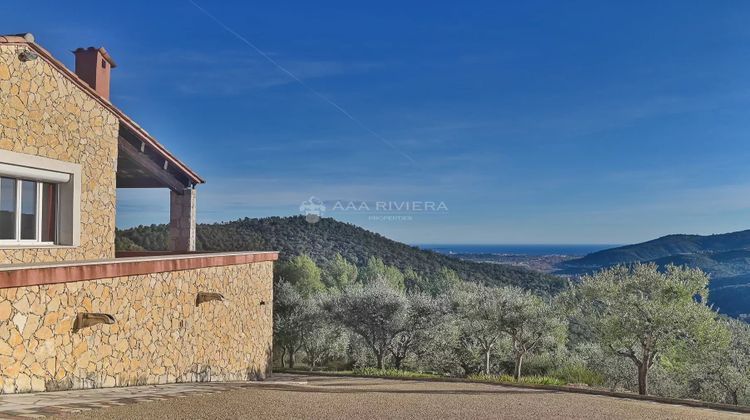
(524, 249)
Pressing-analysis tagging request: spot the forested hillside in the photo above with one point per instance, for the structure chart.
(665, 246)
(323, 240)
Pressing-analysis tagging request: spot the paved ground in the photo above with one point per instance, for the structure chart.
(290, 396)
(70, 402)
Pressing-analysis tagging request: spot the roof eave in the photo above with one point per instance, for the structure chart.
(28, 39)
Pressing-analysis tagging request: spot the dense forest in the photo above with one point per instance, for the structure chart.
(321, 241)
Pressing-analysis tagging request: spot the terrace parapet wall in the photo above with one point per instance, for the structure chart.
(160, 335)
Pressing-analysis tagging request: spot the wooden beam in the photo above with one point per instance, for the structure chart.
(164, 177)
(138, 183)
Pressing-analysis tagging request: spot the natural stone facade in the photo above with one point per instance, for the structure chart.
(43, 113)
(160, 335)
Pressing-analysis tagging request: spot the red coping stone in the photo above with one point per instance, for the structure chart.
(34, 276)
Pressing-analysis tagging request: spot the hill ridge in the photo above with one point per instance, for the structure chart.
(665, 246)
(293, 235)
(724, 256)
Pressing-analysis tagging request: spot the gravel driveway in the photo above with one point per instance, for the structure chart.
(290, 396)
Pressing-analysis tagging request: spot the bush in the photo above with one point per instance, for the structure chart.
(507, 379)
(578, 374)
(538, 365)
(392, 373)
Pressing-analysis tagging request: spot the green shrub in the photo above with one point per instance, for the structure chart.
(542, 380)
(392, 373)
(537, 365)
(490, 378)
(505, 379)
(578, 374)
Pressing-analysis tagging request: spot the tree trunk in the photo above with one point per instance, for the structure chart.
(283, 355)
(397, 362)
(643, 379)
(379, 356)
(291, 360)
(735, 399)
(517, 373)
(468, 369)
(487, 362)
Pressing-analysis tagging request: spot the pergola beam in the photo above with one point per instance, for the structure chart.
(159, 173)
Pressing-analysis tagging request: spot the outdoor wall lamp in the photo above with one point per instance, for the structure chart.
(207, 297)
(89, 319)
(28, 55)
(262, 302)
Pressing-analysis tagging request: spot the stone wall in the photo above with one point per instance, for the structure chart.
(182, 221)
(160, 336)
(42, 113)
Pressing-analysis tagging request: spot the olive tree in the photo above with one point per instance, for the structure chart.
(374, 311)
(423, 314)
(477, 313)
(530, 323)
(727, 368)
(616, 372)
(289, 320)
(436, 284)
(321, 338)
(439, 350)
(639, 312)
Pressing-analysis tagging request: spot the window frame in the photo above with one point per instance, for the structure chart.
(38, 186)
(68, 196)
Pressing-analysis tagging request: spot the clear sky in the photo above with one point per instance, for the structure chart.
(533, 122)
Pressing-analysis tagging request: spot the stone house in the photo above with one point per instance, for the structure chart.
(74, 313)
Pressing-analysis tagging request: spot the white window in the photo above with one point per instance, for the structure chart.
(28, 211)
(39, 201)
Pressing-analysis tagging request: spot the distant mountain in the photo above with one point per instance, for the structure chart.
(321, 241)
(665, 246)
(718, 264)
(731, 296)
(726, 257)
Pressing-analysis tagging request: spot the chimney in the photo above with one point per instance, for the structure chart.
(93, 66)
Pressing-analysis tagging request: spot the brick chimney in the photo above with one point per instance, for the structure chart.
(93, 66)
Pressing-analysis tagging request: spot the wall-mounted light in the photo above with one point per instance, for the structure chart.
(28, 55)
(207, 297)
(89, 319)
(262, 302)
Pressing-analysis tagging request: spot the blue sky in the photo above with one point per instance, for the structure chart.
(534, 122)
